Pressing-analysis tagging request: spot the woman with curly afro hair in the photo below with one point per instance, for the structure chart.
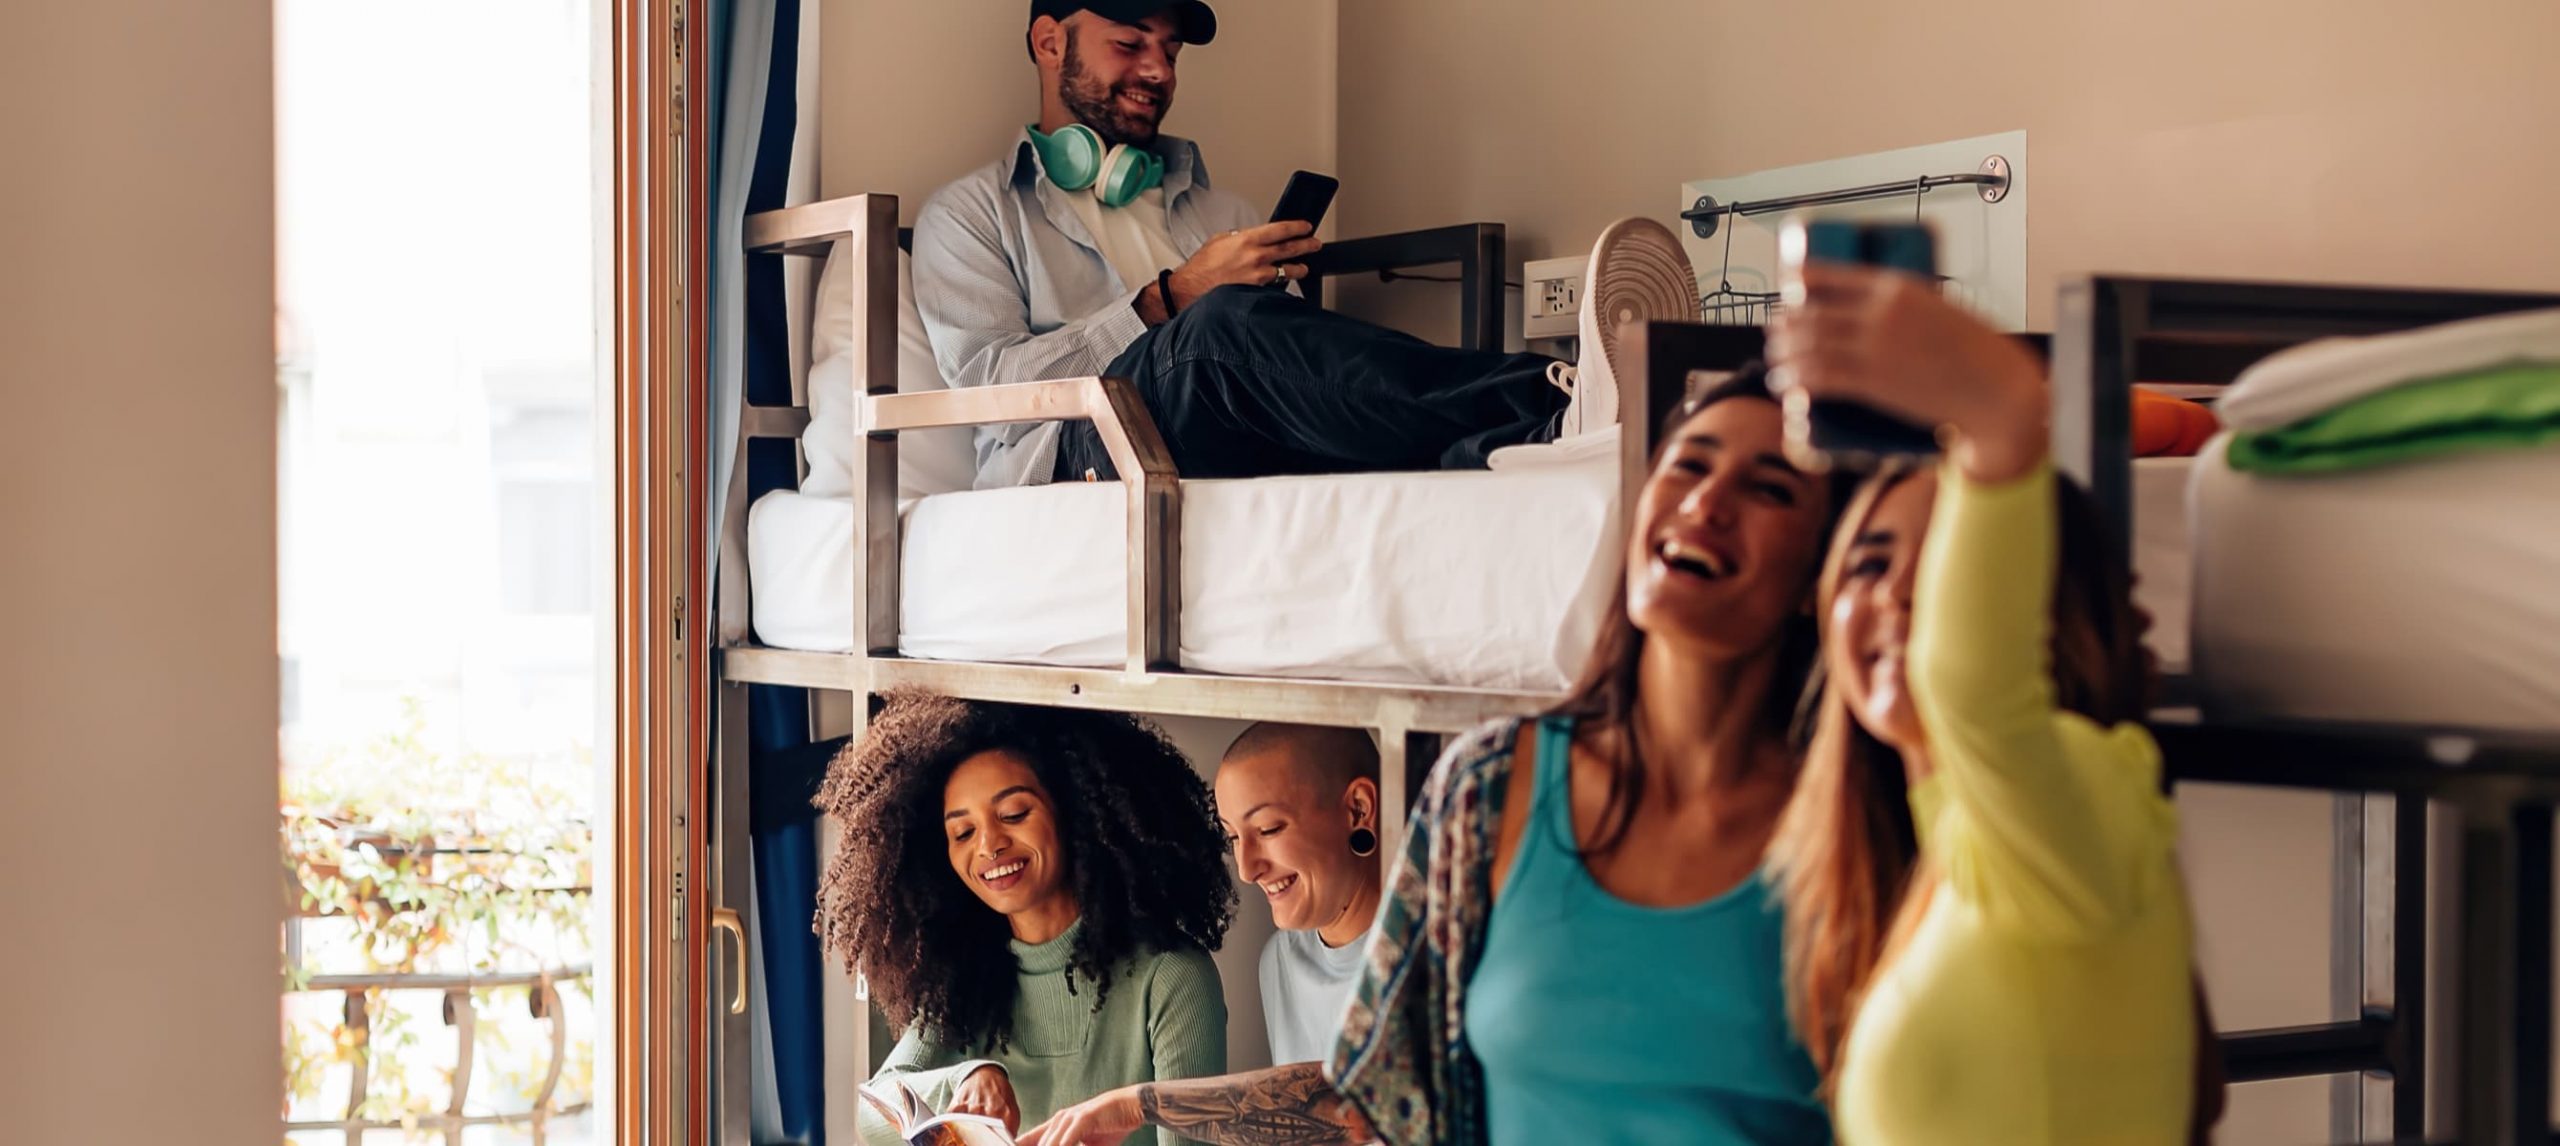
(1032, 894)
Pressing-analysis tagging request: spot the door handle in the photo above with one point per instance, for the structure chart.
(726, 919)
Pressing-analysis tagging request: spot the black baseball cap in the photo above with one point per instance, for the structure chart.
(1193, 22)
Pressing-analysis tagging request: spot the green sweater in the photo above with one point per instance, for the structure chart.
(1164, 1018)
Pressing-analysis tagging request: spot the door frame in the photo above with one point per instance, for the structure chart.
(660, 907)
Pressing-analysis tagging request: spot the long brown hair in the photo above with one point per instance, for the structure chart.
(1604, 698)
(1846, 853)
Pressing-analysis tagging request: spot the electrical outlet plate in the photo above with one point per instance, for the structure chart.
(1551, 297)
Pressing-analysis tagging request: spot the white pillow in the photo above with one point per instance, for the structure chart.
(929, 461)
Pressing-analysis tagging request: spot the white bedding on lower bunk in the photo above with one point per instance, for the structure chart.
(1444, 578)
(2424, 593)
(2163, 577)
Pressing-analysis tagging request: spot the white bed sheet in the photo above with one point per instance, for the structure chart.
(2163, 577)
(1388, 577)
(2424, 593)
(1410, 577)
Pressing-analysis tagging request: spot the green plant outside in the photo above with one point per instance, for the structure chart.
(404, 860)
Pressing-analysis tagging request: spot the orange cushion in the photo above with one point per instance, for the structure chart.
(2166, 427)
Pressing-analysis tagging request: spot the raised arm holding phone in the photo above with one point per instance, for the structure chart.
(1989, 938)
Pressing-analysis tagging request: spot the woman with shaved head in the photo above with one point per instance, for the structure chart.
(1300, 807)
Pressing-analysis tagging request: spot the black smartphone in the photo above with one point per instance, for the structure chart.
(1824, 431)
(1307, 197)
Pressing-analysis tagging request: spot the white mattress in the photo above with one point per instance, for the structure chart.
(2426, 593)
(1393, 577)
(1412, 577)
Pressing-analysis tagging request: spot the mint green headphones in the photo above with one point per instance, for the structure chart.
(1076, 158)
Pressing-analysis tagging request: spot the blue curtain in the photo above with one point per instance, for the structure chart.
(755, 62)
(785, 841)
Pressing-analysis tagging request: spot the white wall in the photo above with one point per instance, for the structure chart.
(139, 989)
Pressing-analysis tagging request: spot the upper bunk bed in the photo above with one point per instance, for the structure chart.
(1399, 602)
(1349, 600)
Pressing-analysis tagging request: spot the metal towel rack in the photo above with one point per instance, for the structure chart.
(1992, 178)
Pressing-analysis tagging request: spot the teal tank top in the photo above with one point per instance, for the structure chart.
(1597, 1020)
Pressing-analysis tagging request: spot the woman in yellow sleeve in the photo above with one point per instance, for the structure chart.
(1988, 938)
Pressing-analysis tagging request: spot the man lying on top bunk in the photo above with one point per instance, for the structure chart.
(1097, 246)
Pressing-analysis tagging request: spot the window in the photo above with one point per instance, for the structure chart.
(440, 553)
(543, 460)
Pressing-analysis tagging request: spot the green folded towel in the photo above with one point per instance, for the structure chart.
(2501, 408)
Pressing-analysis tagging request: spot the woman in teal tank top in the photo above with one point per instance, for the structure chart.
(1660, 1024)
(1577, 945)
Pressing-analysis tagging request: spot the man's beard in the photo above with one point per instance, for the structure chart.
(1099, 108)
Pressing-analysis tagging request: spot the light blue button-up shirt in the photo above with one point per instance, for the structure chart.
(1013, 288)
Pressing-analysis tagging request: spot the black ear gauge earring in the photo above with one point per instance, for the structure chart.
(1364, 843)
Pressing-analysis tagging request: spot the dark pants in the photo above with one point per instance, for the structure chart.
(1250, 382)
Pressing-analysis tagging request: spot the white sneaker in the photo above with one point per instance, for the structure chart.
(1637, 274)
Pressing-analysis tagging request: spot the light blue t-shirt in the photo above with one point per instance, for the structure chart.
(1597, 1020)
(1305, 986)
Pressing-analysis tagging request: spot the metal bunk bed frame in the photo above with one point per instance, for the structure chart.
(1410, 720)
(2501, 787)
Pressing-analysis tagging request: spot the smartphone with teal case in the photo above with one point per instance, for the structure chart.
(1828, 431)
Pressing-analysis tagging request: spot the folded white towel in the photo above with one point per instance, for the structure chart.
(2317, 376)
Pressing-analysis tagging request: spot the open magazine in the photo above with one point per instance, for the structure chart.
(917, 1124)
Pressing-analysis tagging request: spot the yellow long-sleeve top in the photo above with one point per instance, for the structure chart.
(2046, 996)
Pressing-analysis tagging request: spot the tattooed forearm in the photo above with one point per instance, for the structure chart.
(1283, 1106)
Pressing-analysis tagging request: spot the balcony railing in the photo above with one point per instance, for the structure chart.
(363, 1002)
(543, 1000)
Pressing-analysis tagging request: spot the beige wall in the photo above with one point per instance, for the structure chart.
(1240, 960)
(913, 95)
(2319, 139)
(137, 551)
